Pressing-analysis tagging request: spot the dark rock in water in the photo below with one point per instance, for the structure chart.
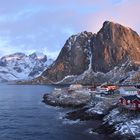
(105, 129)
(82, 115)
(95, 110)
(109, 130)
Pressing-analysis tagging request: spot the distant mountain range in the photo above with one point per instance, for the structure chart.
(19, 66)
(110, 55)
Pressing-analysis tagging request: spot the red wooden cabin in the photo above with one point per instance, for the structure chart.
(131, 102)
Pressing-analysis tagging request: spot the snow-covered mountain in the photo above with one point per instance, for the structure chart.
(19, 66)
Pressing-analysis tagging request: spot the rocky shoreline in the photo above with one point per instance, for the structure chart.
(87, 106)
(65, 98)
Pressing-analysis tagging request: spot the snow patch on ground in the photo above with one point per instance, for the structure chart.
(99, 108)
(124, 123)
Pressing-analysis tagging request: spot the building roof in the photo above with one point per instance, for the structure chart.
(130, 88)
(131, 97)
(75, 86)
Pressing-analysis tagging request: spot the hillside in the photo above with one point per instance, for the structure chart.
(112, 54)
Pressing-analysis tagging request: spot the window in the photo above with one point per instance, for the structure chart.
(124, 102)
(128, 101)
(134, 104)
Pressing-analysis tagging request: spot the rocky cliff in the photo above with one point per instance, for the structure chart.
(113, 54)
(73, 59)
(113, 45)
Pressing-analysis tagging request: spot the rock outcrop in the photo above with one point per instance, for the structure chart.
(67, 98)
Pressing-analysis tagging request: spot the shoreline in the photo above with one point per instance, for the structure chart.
(94, 108)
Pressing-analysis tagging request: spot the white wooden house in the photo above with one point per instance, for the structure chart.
(128, 90)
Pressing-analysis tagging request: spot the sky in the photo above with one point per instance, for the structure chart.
(44, 25)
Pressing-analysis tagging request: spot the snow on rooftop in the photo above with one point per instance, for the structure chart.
(129, 88)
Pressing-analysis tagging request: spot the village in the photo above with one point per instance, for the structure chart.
(117, 106)
(128, 97)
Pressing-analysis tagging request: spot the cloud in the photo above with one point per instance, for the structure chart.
(44, 25)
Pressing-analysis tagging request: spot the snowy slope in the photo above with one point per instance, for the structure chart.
(19, 66)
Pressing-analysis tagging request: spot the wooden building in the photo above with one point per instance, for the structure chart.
(131, 102)
(128, 90)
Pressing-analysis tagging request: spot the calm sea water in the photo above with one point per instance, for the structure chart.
(23, 116)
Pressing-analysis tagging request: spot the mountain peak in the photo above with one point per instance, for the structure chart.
(14, 56)
(113, 46)
(112, 23)
(20, 66)
(38, 55)
(114, 26)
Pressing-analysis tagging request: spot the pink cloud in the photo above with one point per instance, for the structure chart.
(125, 13)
